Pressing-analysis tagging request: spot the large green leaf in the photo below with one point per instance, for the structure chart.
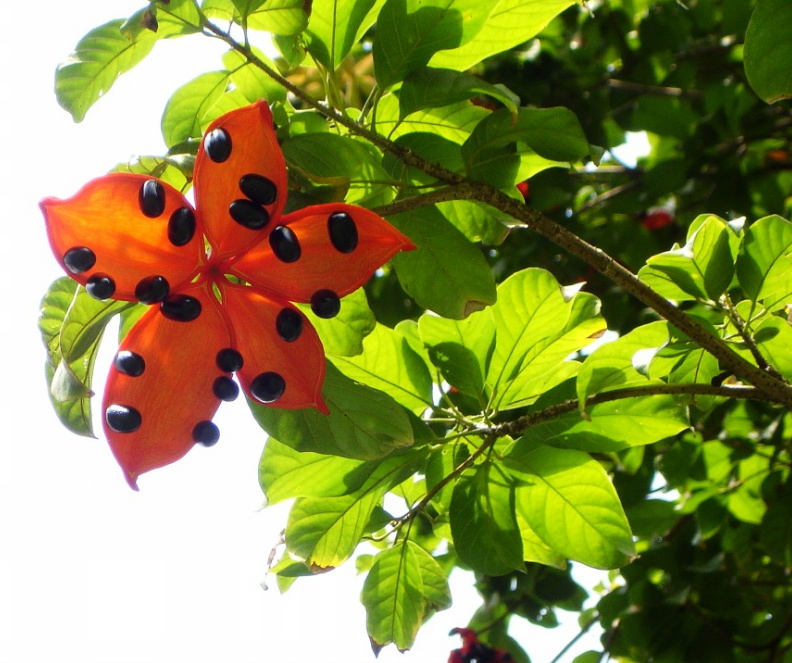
(446, 273)
(477, 221)
(363, 423)
(613, 426)
(178, 17)
(343, 335)
(511, 23)
(539, 324)
(768, 50)
(324, 531)
(453, 122)
(389, 364)
(568, 500)
(253, 83)
(701, 269)
(393, 595)
(431, 88)
(278, 17)
(334, 28)
(410, 32)
(764, 264)
(536, 550)
(486, 535)
(71, 324)
(100, 58)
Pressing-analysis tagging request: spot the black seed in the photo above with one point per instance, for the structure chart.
(152, 290)
(79, 259)
(181, 226)
(123, 418)
(343, 232)
(181, 308)
(248, 214)
(258, 188)
(268, 387)
(152, 198)
(289, 324)
(225, 389)
(206, 433)
(285, 244)
(217, 145)
(100, 286)
(325, 303)
(129, 363)
(229, 360)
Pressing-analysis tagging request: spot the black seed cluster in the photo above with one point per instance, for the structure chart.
(284, 244)
(79, 259)
(289, 324)
(217, 145)
(181, 308)
(152, 289)
(325, 303)
(343, 232)
(181, 226)
(129, 363)
(268, 387)
(100, 286)
(151, 198)
(123, 418)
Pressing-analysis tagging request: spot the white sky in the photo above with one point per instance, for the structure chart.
(90, 570)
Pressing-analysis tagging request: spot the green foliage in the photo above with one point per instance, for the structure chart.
(473, 422)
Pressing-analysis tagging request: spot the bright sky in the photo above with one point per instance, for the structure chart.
(91, 571)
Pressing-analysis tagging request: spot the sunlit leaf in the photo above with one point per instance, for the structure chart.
(768, 50)
(764, 264)
(343, 335)
(334, 27)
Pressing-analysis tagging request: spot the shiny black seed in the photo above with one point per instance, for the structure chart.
(181, 226)
(225, 389)
(268, 387)
(343, 232)
(289, 324)
(152, 198)
(123, 418)
(229, 360)
(181, 308)
(79, 259)
(129, 363)
(285, 244)
(258, 188)
(100, 286)
(248, 214)
(217, 145)
(206, 433)
(325, 303)
(152, 290)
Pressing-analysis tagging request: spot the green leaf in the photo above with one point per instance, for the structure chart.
(342, 161)
(389, 364)
(334, 27)
(343, 335)
(536, 550)
(768, 50)
(553, 134)
(436, 590)
(193, 106)
(486, 535)
(253, 83)
(746, 503)
(764, 264)
(701, 269)
(71, 324)
(430, 88)
(568, 500)
(363, 423)
(393, 595)
(621, 363)
(278, 17)
(324, 531)
(454, 122)
(511, 23)
(614, 425)
(477, 221)
(178, 17)
(539, 325)
(460, 349)
(100, 58)
(410, 32)
(774, 339)
(285, 473)
(433, 274)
